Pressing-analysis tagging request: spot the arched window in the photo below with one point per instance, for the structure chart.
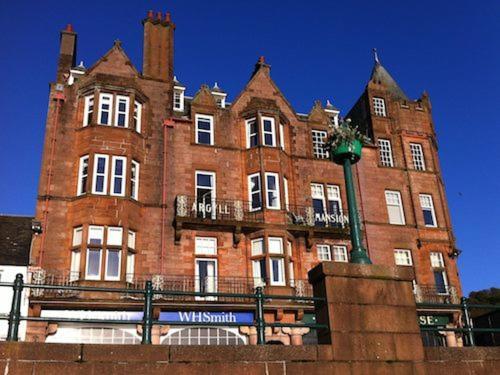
(84, 334)
(204, 336)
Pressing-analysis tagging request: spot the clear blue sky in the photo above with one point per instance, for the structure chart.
(317, 49)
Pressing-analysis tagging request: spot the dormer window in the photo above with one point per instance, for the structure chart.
(379, 107)
(178, 99)
(219, 95)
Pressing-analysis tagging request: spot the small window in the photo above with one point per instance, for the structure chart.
(394, 207)
(273, 191)
(134, 180)
(83, 174)
(291, 274)
(257, 247)
(379, 107)
(275, 245)
(324, 253)
(93, 269)
(285, 191)
(318, 140)
(137, 116)
(118, 175)
(252, 132)
(115, 235)
(113, 264)
(259, 272)
(205, 246)
(277, 268)
(282, 137)
(268, 132)
(340, 253)
(437, 260)
(129, 277)
(428, 210)
(121, 111)
(100, 184)
(417, 155)
(402, 257)
(88, 110)
(105, 101)
(96, 235)
(77, 236)
(204, 129)
(131, 239)
(255, 192)
(385, 153)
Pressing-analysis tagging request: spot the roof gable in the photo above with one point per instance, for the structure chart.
(115, 62)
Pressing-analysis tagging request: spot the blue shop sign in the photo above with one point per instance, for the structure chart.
(208, 317)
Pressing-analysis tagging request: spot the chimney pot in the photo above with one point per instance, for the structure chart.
(158, 16)
(150, 15)
(69, 28)
(262, 60)
(167, 17)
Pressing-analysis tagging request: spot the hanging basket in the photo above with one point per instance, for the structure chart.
(347, 150)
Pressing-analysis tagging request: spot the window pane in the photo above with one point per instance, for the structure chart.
(318, 139)
(77, 236)
(115, 236)
(131, 239)
(93, 262)
(257, 247)
(275, 245)
(96, 235)
(113, 264)
(206, 245)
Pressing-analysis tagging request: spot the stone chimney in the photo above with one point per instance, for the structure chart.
(158, 58)
(67, 53)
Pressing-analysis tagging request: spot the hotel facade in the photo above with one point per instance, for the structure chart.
(208, 193)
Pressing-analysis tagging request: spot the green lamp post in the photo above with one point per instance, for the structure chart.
(345, 144)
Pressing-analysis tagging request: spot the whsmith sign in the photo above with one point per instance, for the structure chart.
(207, 317)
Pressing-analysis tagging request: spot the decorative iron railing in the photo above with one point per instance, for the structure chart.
(305, 215)
(432, 294)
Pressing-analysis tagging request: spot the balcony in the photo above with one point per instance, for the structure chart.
(238, 215)
(432, 294)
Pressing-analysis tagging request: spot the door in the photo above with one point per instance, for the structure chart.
(206, 277)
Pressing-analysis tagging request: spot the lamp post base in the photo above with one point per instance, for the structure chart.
(360, 256)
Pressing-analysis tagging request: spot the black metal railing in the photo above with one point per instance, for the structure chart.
(216, 209)
(432, 294)
(464, 326)
(147, 294)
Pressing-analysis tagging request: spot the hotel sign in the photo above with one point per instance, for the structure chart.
(433, 320)
(208, 317)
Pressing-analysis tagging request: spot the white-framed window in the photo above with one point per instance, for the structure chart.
(93, 264)
(134, 179)
(204, 129)
(255, 192)
(340, 253)
(428, 210)
(282, 137)
(74, 273)
(137, 116)
(129, 277)
(96, 235)
(318, 141)
(205, 194)
(277, 271)
(131, 239)
(83, 174)
(206, 277)
(118, 175)
(319, 204)
(379, 107)
(275, 245)
(289, 248)
(324, 253)
(121, 111)
(268, 131)
(113, 264)
(115, 236)
(437, 260)
(259, 272)
(88, 110)
(252, 130)
(417, 155)
(272, 191)
(291, 274)
(385, 150)
(334, 205)
(257, 246)
(77, 236)
(178, 99)
(394, 207)
(402, 257)
(100, 180)
(205, 246)
(285, 191)
(105, 102)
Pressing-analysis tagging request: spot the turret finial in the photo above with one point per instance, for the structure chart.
(375, 56)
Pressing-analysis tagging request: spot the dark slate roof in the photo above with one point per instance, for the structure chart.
(381, 75)
(15, 240)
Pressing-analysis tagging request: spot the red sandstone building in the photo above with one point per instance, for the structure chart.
(210, 193)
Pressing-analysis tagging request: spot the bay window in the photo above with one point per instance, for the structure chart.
(88, 110)
(83, 174)
(252, 131)
(272, 191)
(100, 183)
(285, 192)
(134, 180)
(268, 131)
(118, 174)
(277, 270)
(137, 116)
(254, 192)
(121, 111)
(129, 272)
(105, 101)
(282, 137)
